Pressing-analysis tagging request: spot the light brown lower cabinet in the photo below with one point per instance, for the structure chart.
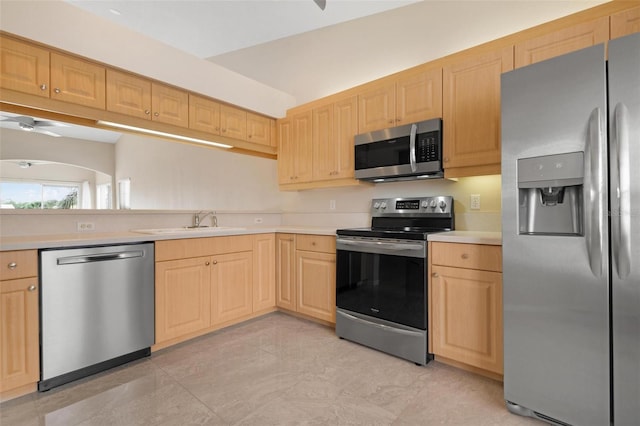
(206, 283)
(466, 305)
(306, 275)
(19, 346)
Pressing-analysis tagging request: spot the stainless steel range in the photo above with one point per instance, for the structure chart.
(381, 275)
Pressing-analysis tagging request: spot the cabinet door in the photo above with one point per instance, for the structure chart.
(258, 129)
(471, 113)
(377, 108)
(419, 96)
(24, 67)
(231, 286)
(467, 316)
(316, 284)
(204, 114)
(286, 152)
(233, 122)
(264, 271)
(169, 105)
(182, 297)
(563, 41)
(19, 346)
(324, 165)
(295, 153)
(625, 22)
(334, 127)
(128, 94)
(76, 81)
(285, 272)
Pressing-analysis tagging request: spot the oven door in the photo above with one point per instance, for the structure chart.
(383, 278)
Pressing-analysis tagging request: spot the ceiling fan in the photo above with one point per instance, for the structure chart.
(321, 3)
(29, 124)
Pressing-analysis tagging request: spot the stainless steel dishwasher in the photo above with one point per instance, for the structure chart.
(97, 309)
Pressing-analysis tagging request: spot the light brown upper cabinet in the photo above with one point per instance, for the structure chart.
(204, 114)
(24, 67)
(233, 122)
(295, 149)
(169, 105)
(625, 23)
(258, 129)
(77, 81)
(139, 97)
(408, 97)
(128, 94)
(471, 113)
(334, 127)
(562, 41)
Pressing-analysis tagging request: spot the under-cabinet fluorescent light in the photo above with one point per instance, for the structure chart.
(166, 135)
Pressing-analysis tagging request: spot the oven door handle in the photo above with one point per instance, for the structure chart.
(381, 326)
(382, 245)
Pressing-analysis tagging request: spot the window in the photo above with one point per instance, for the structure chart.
(103, 196)
(39, 195)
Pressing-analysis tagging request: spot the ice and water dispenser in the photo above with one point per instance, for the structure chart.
(550, 191)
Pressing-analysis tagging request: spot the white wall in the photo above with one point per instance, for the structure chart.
(353, 204)
(169, 175)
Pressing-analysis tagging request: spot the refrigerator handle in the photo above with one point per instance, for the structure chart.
(621, 198)
(594, 189)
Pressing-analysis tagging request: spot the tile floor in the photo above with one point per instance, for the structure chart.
(274, 370)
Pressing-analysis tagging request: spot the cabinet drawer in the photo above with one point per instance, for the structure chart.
(319, 243)
(469, 256)
(207, 246)
(18, 264)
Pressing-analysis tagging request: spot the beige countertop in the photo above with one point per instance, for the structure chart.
(95, 238)
(468, 237)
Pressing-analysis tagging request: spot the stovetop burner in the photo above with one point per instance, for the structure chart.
(407, 218)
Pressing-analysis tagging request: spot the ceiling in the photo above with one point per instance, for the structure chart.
(297, 48)
(207, 28)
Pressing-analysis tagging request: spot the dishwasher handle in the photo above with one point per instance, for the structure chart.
(102, 257)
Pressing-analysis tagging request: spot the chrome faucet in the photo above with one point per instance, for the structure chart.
(201, 215)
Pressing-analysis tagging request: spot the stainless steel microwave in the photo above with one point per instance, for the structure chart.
(411, 151)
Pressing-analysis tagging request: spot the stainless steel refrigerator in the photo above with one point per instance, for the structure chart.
(571, 236)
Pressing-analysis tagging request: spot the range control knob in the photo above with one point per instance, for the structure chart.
(383, 205)
(442, 205)
(376, 205)
(425, 204)
(433, 204)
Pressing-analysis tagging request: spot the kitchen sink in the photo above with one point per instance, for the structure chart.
(189, 230)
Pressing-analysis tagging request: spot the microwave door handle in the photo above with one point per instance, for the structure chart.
(412, 147)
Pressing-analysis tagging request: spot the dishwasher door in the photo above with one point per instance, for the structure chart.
(97, 309)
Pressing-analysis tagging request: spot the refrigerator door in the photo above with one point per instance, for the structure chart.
(555, 239)
(624, 113)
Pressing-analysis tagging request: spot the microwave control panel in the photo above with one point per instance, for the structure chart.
(428, 147)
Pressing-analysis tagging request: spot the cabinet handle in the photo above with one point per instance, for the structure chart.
(224, 130)
(250, 136)
(446, 159)
(207, 263)
(465, 256)
(313, 243)
(390, 121)
(215, 262)
(217, 129)
(32, 288)
(12, 265)
(156, 114)
(435, 275)
(146, 111)
(43, 86)
(57, 90)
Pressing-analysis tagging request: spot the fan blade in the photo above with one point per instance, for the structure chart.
(43, 123)
(46, 132)
(20, 119)
(321, 3)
